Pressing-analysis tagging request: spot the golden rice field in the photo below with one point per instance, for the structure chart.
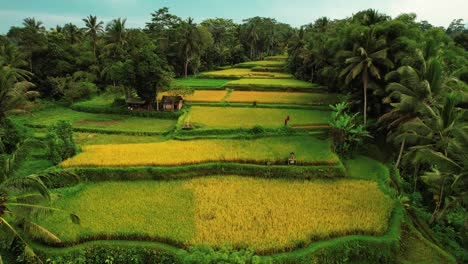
(282, 98)
(208, 96)
(245, 73)
(265, 214)
(309, 150)
(206, 117)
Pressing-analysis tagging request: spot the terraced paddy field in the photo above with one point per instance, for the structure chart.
(101, 122)
(206, 117)
(274, 150)
(282, 98)
(265, 214)
(235, 73)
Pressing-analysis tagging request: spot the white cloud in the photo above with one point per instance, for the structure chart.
(436, 12)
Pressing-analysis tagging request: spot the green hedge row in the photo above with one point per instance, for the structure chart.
(267, 69)
(125, 111)
(247, 133)
(116, 252)
(318, 89)
(200, 170)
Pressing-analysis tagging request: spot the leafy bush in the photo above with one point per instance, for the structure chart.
(79, 90)
(346, 132)
(60, 142)
(207, 255)
(11, 134)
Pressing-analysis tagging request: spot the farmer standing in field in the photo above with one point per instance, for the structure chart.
(286, 120)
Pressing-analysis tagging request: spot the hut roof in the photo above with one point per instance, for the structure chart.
(171, 99)
(135, 100)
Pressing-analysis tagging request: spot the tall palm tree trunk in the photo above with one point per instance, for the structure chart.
(400, 154)
(186, 67)
(365, 78)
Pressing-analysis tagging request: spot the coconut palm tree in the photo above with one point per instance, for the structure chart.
(253, 39)
(442, 145)
(93, 29)
(13, 89)
(32, 24)
(416, 93)
(72, 32)
(365, 61)
(190, 43)
(117, 32)
(18, 210)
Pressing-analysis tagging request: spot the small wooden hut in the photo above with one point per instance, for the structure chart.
(135, 102)
(172, 103)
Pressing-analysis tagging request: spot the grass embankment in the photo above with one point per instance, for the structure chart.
(263, 63)
(200, 83)
(273, 150)
(206, 117)
(268, 215)
(273, 85)
(236, 73)
(98, 122)
(282, 98)
(277, 58)
(83, 138)
(203, 96)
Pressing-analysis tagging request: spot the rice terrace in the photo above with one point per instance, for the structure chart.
(181, 140)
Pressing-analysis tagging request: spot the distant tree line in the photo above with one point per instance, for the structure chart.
(408, 79)
(73, 61)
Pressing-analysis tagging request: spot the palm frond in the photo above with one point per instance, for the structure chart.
(35, 210)
(29, 183)
(38, 232)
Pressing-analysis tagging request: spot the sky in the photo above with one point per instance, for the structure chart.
(294, 12)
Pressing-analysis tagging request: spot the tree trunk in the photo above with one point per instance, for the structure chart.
(186, 68)
(94, 49)
(365, 78)
(400, 154)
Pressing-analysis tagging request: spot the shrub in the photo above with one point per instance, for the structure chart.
(79, 90)
(227, 254)
(347, 134)
(60, 142)
(11, 134)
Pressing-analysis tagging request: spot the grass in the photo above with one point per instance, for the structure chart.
(102, 101)
(263, 63)
(35, 162)
(277, 58)
(104, 122)
(83, 138)
(199, 83)
(282, 98)
(206, 117)
(222, 210)
(205, 96)
(417, 249)
(274, 150)
(284, 83)
(245, 73)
